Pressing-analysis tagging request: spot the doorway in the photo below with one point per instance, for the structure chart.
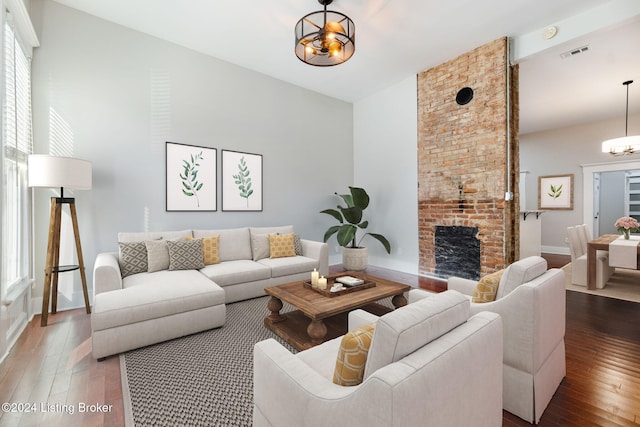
(592, 177)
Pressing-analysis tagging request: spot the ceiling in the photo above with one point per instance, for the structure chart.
(395, 39)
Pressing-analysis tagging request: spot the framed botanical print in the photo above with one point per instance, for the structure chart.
(241, 181)
(555, 192)
(191, 177)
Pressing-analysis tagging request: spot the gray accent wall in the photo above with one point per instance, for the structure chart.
(113, 96)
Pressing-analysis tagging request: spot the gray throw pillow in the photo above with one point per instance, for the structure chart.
(133, 258)
(297, 244)
(185, 255)
(157, 255)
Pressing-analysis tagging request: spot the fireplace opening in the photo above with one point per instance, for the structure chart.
(457, 252)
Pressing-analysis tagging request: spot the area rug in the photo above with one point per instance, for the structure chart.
(205, 379)
(624, 284)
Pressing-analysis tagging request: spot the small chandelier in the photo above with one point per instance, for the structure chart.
(325, 38)
(623, 145)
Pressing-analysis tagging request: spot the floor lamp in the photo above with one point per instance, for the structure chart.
(59, 172)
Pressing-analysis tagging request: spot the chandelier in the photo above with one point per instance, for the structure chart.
(325, 38)
(623, 145)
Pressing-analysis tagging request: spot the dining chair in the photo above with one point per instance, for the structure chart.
(579, 236)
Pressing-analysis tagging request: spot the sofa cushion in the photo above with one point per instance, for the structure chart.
(520, 272)
(210, 249)
(487, 288)
(281, 245)
(148, 296)
(153, 235)
(185, 255)
(157, 255)
(408, 328)
(235, 243)
(132, 258)
(283, 229)
(352, 356)
(260, 246)
(290, 265)
(234, 272)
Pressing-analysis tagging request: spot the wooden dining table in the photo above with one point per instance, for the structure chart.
(599, 244)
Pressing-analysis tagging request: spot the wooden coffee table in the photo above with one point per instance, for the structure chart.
(320, 318)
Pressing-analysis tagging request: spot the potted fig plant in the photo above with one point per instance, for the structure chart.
(354, 256)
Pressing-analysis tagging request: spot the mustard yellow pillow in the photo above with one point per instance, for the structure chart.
(210, 249)
(487, 288)
(352, 356)
(281, 245)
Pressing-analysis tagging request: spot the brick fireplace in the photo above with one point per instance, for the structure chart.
(462, 158)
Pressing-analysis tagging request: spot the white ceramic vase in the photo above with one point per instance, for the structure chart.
(354, 259)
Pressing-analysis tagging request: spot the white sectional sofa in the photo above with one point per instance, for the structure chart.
(158, 304)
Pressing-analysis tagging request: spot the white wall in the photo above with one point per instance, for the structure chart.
(114, 96)
(386, 165)
(564, 151)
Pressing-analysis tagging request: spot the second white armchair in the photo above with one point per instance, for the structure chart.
(531, 301)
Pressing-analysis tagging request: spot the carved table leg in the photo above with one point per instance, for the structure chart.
(274, 305)
(317, 330)
(399, 301)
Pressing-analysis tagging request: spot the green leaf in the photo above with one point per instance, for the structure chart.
(353, 215)
(382, 240)
(199, 186)
(348, 199)
(187, 193)
(346, 234)
(330, 232)
(363, 225)
(334, 213)
(360, 197)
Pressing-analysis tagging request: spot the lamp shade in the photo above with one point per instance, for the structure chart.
(621, 146)
(63, 172)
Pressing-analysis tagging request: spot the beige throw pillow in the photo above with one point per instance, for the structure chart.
(352, 356)
(281, 245)
(487, 288)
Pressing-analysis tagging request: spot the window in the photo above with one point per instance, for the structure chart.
(16, 146)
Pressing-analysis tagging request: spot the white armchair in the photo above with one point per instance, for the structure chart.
(531, 301)
(429, 364)
(578, 237)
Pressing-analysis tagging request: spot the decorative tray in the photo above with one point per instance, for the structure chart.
(347, 290)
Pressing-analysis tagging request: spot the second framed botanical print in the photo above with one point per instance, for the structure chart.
(241, 181)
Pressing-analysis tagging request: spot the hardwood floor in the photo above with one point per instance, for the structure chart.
(602, 386)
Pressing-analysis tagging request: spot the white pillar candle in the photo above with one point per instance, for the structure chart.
(314, 278)
(322, 283)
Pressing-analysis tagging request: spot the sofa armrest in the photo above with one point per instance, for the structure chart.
(319, 251)
(297, 384)
(464, 286)
(359, 318)
(106, 273)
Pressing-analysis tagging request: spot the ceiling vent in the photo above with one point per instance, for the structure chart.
(574, 52)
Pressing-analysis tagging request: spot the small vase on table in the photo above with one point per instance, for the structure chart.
(626, 233)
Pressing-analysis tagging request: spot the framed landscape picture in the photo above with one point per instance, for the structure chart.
(191, 177)
(555, 192)
(241, 181)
